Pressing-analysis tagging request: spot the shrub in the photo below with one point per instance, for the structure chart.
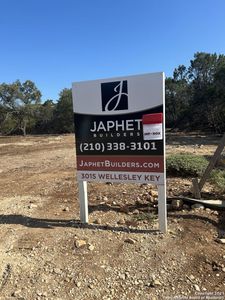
(218, 178)
(186, 165)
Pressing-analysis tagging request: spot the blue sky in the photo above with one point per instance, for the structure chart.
(57, 42)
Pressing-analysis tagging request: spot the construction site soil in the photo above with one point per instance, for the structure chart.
(46, 253)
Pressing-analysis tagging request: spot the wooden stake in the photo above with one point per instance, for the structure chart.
(197, 187)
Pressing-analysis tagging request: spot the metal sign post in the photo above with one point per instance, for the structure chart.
(83, 196)
(162, 208)
(120, 134)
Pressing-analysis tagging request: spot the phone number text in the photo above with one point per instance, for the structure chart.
(102, 147)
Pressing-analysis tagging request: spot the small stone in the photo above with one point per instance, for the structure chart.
(121, 222)
(91, 247)
(150, 198)
(215, 266)
(122, 276)
(220, 241)
(129, 241)
(78, 284)
(32, 206)
(177, 204)
(127, 274)
(197, 206)
(91, 286)
(153, 193)
(80, 243)
(136, 212)
(155, 282)
(223, 269)
(39, 293)
(191, 277)
(105, 198)
(16, 293)
(97, 221)
(66, 209)
(138, 201)
(57, 271)
(196, 287)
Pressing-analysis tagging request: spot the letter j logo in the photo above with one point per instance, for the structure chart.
(114, 96)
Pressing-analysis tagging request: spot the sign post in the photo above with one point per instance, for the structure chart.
(83, 196)
(120, 134)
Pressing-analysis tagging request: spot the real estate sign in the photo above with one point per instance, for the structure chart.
(119, 128)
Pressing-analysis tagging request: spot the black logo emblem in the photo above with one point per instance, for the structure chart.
(114, 95)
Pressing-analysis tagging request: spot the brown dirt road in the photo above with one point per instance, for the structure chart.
(123, 256)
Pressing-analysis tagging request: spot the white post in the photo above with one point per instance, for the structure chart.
(83, 197)
(162, 209)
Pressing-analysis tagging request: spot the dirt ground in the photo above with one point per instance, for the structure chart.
(45, 253)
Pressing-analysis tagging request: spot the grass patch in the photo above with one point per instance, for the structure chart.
(185, 165)
(218, 179)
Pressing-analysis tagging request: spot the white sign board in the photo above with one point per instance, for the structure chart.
(120, 129)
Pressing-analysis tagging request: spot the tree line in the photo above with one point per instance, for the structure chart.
(22, 112)
(195, 95)
(195, 100)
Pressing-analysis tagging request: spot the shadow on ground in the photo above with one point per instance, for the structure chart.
(52, 223)
(193, 217)
(72, 223)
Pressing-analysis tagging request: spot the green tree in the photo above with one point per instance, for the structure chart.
(19, 103)
(203, 74)
(216, 93)
(8, 95)
(27, 105)
(45, 117)
(195, 95)
(63, 116)
(177, 97)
